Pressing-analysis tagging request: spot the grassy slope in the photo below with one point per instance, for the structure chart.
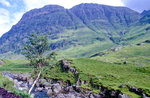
(114, 75)
(137, 55)
(136, 34)
(16, 65)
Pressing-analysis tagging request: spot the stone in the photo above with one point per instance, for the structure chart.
(91, 96)
(32, 95)
(72, 96)
(65, 65)
(144, 96)
(46, 84)
(23, 88)
(49, 92)
(20, 83)
(1, 62)
(15, 81)
(39, 89)
(42, 81)
(123, 96)
(122, 86)
(37, 84)
(139, 44)
(78, 82)
(57, 88)
(30, 81)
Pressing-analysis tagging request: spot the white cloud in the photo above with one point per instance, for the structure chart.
(4, 2)
(6, 22)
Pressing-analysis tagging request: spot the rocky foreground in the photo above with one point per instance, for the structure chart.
(46, 88)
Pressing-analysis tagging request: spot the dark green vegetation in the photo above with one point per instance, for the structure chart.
(35, 48)
(80, 31)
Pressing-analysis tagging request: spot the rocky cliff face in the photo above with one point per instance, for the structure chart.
(98, 17)
(75, 23)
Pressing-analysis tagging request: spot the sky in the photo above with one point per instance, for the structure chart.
(11, 11)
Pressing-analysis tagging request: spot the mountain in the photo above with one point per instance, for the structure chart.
(80, 31)
(98, 17)
(145, 12)
(146, 17)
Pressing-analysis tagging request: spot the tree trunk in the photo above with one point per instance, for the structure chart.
(34, 82)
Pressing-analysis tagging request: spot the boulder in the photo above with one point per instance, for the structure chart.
(15, 81)
(49, 92)
(30, 81)
(46, 84)
(65, 65)
(123, 96)
(72, 96)
(1, 62)
(32, 95)
(23, 88)
(57, 88)
(43, 80)
(39, 89)
(147, 41)
(91, 96)
(37, 84)
(122, 86)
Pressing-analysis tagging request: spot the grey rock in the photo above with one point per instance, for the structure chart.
(72, 96)
(144, 96)
(39, 89)
(123, 96)
(49, 92)
(42, 81)
(91, 96)
(1, 62)
(30, 81)
(15, 81)
(32, 95)
(46, 84)
(57, 88)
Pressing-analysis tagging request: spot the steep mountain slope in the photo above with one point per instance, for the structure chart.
(138, 32)
(49, 19)
(98, 17)
(80, 31)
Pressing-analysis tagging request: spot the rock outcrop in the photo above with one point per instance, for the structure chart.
(1, 62)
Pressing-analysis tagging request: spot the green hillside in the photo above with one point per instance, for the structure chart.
(138, 55)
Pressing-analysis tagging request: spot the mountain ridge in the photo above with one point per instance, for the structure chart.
(82, 25)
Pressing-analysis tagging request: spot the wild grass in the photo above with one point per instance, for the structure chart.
(16, 65)
(114, 75)
(136, 55)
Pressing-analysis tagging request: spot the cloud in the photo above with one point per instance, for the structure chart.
(4, 20)
(7, 20)
(4, 2)
(138, 5)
